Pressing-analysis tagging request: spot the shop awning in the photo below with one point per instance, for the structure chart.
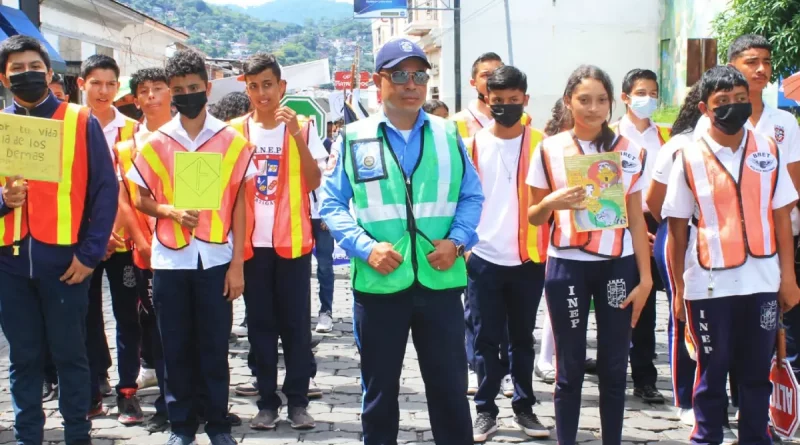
(13, 22)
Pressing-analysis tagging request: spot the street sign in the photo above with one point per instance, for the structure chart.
(376, 9)
(783, 403)
(308, 107)
(342, 80)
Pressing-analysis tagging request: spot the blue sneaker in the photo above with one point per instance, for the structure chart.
(177, 439)
(222, 439)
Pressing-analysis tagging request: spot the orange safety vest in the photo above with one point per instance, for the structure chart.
(125, 133)
(292, 236)
(532, 239)
(125, 153)
(53, 212)
(155, 162)
(604, 243)
(735, 218)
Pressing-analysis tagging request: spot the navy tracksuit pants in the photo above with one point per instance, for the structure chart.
(381, 325)
(682, 366)
(194, 319)
(504, 299)
(152, 352)
(125, 304)
(36, 315)
(643, 337)
(278, 298)
(570, 287)
(747, 325)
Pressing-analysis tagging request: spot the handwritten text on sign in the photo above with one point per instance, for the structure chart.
(30, 147)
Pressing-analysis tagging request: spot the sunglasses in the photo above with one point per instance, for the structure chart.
(401, 77)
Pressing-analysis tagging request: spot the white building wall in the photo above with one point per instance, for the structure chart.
(550, 39)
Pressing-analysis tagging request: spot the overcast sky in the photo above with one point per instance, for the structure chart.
(255, 2)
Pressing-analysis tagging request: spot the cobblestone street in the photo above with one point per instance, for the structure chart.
(337, 412)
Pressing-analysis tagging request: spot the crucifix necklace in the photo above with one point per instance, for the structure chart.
(508, 170)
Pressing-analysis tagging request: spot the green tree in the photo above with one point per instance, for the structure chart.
(777, 20)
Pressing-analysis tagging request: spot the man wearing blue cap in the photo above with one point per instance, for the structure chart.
(417, 202)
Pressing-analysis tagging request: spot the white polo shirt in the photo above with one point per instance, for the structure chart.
(756, 275)
(647, 139)
(212, 255)
(537, 178)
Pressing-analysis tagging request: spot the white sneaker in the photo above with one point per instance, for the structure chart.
(507, 386)
(325, 322)
(686, 416)
(472, 385)
(239, 331)
(147, 378)
(728, 437)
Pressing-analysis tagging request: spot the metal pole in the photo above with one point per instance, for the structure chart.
(508, 34)
(457, 52)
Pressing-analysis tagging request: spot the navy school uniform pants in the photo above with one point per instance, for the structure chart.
(152, 352)
(681, 364)
(194, 319)
(37, 314)
(747, 325)
(469, 341)
(570, 287)
(643, 337)
(504, 299)
(381, 325)
(278, 298)
(125, 304)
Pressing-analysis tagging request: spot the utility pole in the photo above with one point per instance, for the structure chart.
(508, 34)
(457, 52)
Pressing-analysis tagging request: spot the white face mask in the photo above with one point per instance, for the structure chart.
(643, 106)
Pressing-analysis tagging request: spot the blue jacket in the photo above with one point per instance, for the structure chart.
(336, 193)
(38, 260)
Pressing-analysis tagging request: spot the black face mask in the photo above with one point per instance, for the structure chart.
(507, 115)
(730, 118)
(29, 86)
(131, 111)
(191, 104)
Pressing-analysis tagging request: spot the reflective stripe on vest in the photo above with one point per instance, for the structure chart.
(156, 163)
(381, 203)
(604, 243)
(126, 153)
(735, 219)
(532, 240)
(125, 133)
(53, 212)
(292, 235)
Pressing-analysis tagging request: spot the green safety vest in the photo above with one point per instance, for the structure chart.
(408, 212)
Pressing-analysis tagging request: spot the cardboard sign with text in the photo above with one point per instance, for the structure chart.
(30, 147)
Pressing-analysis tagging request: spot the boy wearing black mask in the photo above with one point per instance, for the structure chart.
(737, 271)
(506, 268)
(63, 237)
(197, 256)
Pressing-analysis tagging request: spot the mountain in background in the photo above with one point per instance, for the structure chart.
(308, 29)
(298, 11)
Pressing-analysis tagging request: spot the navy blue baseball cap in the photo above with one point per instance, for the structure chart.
(396, 51)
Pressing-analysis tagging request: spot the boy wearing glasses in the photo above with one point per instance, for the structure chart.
(279, 240)
(417, 202)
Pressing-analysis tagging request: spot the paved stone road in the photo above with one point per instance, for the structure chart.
(337, 413)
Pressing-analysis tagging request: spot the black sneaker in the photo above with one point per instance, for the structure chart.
(530, 425)
(130, 413)
(648, 394)
(157, 424)
(590, 367)
(49, 392)
(300, 419)
(234, 420)
(485, 426)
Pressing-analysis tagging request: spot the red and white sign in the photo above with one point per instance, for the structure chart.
(342, 80)
(784, 403)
